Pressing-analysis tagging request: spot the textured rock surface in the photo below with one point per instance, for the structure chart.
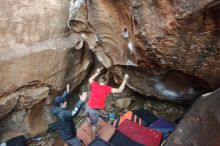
(123, 103)
(29, 115)
(172, 85)
(24, 98)
(37, 55)
(38, 51)
(201, 125)
(157, 34)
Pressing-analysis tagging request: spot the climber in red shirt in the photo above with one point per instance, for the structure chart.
(98, 95)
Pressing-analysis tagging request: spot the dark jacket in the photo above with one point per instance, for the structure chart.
(65, 120)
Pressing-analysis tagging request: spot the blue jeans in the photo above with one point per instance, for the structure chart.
(74, 142)
(93, 115)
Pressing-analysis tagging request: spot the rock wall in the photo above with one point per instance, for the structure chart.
(38, 57)
(174, 85)
(169, 35)
(40, 53)
(201, 125)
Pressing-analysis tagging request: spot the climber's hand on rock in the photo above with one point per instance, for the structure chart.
(68, 88)
(126, 77)
(99, 70)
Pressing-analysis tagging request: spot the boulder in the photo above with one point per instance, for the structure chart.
(38, 57)
(201, 125)
(153, 34)
(51, 62)
(122, 103)
(30, 116)
(23, 99)
(174, 86)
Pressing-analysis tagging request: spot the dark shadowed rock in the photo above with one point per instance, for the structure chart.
(167, 85)
(201, 125)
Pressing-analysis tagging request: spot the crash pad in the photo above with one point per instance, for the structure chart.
(120, 139)
(129, 116)
(141, 134)
(163, 125)
(146, 116)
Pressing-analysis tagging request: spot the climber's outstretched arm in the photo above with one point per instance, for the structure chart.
(92, 78)
(122, 86)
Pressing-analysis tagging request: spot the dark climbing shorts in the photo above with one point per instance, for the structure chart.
(93, 115)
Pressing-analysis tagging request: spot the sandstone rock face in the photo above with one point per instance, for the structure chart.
(201, 125)
(28, 116)
(24, 98)
(123, 103)
(38, 57)
(173, 85)
(40, 53)
(170, 35)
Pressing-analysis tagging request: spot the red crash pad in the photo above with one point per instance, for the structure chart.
(141, 134)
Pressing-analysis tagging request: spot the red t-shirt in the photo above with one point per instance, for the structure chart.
(98, 95)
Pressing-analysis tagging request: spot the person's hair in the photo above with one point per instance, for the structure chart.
(102, 80)
(59, 100)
